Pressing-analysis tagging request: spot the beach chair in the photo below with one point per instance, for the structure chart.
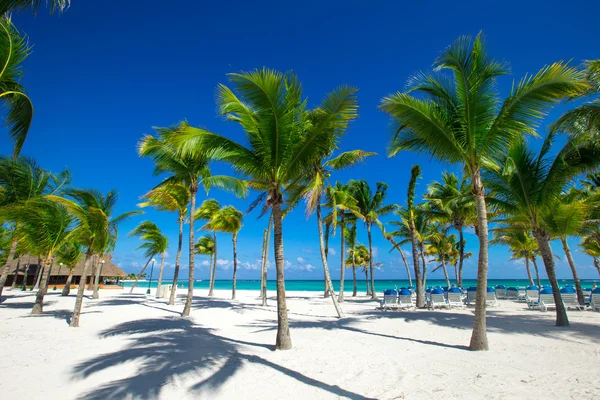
(405, 301)
(501, 292)
(512, 293)
(547, 301)
(595, 301)
(532, 297)
(455, 300)
(522, 294)
(471, 297)
(437, 300)
(390, 300)
(570, 301)
(491, 299)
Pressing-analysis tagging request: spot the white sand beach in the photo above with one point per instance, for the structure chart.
(134, 346)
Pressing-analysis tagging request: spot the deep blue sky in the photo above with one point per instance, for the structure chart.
(101, 75)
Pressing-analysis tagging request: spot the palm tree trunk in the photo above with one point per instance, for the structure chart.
(39, 276)
(213, 275)
(137, 277)
(367, 281)
(177, 262)
(353, 276)
(263, 266)
(424, 267)
(445, 273)
(403, 259)
(544, 245)
(24, 283)
(479, 336)
(80, 290)
(16, 273)
(97, 275)
(6, 269)
(597, 264)
(415, 252)
(528, 271)
(190, 294)
(93, 275)
(342, 266)
(160, 274)
(210, 276)
(284, 340)
(234, 265)
(336, 305)
(38, 306)
(373, 292)
(461, 255)
(537, 272)
(67, 289)
(580, 297)
(326, 289)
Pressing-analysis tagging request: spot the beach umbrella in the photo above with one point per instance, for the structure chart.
(437, 290)
(597, 290)
(454, 290)
(405, 292)
(546, 290)
(532, 287)
(500, 287)
(471, 289)
(491, 289)
(568, 289)
(390, 292)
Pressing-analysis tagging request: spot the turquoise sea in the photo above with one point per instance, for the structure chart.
(318, 285)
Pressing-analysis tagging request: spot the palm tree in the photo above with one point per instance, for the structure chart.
(173, 197)
(339, 199)
(460, 119)
(396, 246)
(362, 258)
(370, 207)
(22, 180)
(206, 246)
(14, 49)
(191, 171)
(521, 244)
(265, 261)
(350, 240)
(8, 6)
(441, 245)
(155, 243)
(451, 201)
(592, 249)
(69, 254)
(95, 224)
(228, 220)
(281, 150)
(529, 185)
(209, 211)
(415, 173)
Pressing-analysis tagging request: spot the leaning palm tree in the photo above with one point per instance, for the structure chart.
(521, 244)
(95, 223)
(209, 211)
(415, 173)
(14, 49)
(370, 207)
(46, 226)
(69, 254)
(154, 243)
(228, 220)
(173, 197)
(281, 150)
(58, 6)
(191, 171)
(460, 119)
(22, 180)
(528, 187)
(451, 201)
(350, 241)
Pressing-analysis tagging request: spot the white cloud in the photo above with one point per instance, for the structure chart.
(375, 252)
(135, 264)
(308, 251)
(332, 252)
(300, 260)
(205, 263)
(309, 267)
(224, 264)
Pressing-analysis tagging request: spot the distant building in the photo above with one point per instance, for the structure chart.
(28, 269)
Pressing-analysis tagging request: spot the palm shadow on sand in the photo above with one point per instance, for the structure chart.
(164, 349)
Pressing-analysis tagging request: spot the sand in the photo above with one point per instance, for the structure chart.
(134, 346)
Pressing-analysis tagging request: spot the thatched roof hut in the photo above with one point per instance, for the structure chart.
(109, 270)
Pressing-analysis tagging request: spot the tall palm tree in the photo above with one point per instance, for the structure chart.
(350, 241)
(95, 224)
(209, 211)
(7, 6)
(460, 119)
(228, 220)
(14, 49)
(46, 226)
(396, 246)
(281, 150)
(191, 171)
(343, 208)
(206, 246)
(442, 246)
(154, 243)
(415, 173)
(528, 186)
(370, 207)
(22, 180)
(173, 197)
(451, 201)
(69, 254)
(521, 244)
